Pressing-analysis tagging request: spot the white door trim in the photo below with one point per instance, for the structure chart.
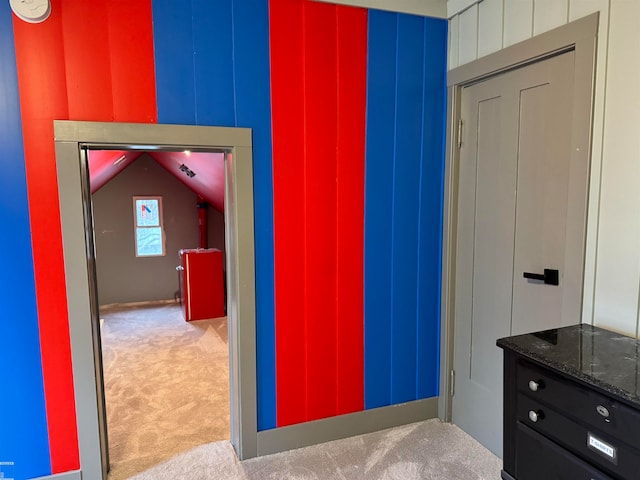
(580, 36)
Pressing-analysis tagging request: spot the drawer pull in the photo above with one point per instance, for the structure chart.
(535, 416)
(535, 386)
(602, 411)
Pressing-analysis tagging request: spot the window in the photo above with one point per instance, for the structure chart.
(147, 219)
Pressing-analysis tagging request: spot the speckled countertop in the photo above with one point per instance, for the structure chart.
(596, 356)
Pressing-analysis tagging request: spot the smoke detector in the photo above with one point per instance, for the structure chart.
(32, 11)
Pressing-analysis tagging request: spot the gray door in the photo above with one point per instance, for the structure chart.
(521, 209)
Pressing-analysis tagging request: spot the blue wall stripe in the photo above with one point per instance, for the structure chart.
(213, 68)
(381, 68)
(431, 200)
(173, 44)
(24, 439)
(404, 226)
(406, 97)
(253, 109)
(213, 62)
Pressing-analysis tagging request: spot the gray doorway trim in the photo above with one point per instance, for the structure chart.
(580, 36)
(75, 475)
(75, 211)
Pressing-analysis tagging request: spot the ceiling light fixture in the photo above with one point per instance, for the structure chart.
(120, 160)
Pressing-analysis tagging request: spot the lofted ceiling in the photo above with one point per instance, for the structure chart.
(202, 172)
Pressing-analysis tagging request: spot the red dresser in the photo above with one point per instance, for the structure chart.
(203, 283)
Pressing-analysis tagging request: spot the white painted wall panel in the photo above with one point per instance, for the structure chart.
(549, 14)
(518, 21)
(456, 6)
(489, 27)
(582, 8)
(468, 36)
(454, 32)
(612, 265)
(618, 261)
(579, 9)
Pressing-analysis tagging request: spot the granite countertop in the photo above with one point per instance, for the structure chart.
(596, 356)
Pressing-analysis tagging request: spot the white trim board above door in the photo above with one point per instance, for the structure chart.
(578, 37)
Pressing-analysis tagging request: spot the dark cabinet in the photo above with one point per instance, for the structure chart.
(544, 459)
(571, 405)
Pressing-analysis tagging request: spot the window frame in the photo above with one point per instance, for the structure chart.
(160, 225)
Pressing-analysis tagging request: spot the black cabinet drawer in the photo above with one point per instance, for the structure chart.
(583, 405)
(596, 447)
(538, 458)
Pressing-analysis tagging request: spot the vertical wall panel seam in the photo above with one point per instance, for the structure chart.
(420, 202)
(502, 26)
(599, 205)
(442, 161)
(533, 19)
(108, 41)
(193, 67)
(304, 219)
(477, 9)
(364, 224)
(393, 196)
(233, 64)
(337, 206)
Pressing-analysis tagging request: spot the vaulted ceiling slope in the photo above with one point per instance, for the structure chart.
(202, 172)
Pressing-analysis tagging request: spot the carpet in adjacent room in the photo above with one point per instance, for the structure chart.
(166, 385)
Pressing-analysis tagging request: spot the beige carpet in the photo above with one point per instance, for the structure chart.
(426, 450)
(166, 385)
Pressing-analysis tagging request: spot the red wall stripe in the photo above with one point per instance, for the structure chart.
(287, 100)
(321, 114)
(318, 68)
(131, 57)
(87, 59)
(43, 97)
(81, 64)
(352, 80)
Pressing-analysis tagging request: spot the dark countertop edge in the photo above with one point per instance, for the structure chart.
(569, 372)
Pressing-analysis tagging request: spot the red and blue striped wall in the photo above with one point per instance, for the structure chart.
(347, 108)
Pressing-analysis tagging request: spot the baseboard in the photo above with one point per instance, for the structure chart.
(75, 475)
(343, 426)
(146, 303)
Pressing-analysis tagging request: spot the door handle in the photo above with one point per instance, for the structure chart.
(549, 277)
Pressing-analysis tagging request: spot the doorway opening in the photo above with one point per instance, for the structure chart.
(73, 140)
(474, 211)
(158, 217)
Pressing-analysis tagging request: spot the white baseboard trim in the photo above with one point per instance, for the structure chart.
(75, 475)
(343, 426)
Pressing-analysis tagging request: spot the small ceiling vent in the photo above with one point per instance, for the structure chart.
(187, 171)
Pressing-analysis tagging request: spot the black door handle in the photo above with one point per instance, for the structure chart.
(549, 277)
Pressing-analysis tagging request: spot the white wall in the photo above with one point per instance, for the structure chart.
(612, 264)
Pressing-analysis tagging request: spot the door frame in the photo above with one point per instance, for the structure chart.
(579, 36)
(71, 137)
